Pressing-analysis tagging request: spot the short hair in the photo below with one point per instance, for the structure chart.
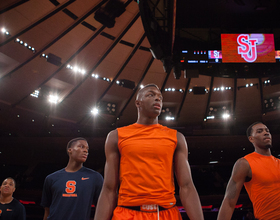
(250, 128)
(146, 86)
(10, 179)
(71, 142)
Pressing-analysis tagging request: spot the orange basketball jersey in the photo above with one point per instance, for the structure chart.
(146, 165)
(264, 187)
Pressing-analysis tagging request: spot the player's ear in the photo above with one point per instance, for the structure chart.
(251, 139)
(137, 103)
(69, 150)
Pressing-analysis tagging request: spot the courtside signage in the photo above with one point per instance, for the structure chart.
(248, 48)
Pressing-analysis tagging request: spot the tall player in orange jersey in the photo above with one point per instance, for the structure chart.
(140, 158)
(259, 172)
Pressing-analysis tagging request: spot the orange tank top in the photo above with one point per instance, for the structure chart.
(146, 165)
(264, 187)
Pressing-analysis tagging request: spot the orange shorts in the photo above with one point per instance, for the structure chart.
(121, 213)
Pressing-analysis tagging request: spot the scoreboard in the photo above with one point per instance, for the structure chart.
(236, 48)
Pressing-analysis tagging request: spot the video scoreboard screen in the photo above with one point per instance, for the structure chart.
(236, 48)
(201, 56)
(248, 48)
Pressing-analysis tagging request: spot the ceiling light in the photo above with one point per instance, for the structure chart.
(168, 118)
(53, 99)
(226, 116)
(213, 162)
(35, 94)
(75, 69)
(94, 111)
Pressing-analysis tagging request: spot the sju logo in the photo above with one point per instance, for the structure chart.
(247, 48)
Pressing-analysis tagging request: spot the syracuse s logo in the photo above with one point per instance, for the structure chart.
(247, 48)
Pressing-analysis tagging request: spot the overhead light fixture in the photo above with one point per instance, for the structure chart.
(173, 90)
(35, 93)
(17, 40)
(272, 104)
(248, 85)
(53, 99)
(107, 108)
(4, 31)
(222, 88)
(218, 112)
(168, 118)
(213, 162)
(94, 111)
(167, 113)
(225, 116)
(76, 69)
(95, 75)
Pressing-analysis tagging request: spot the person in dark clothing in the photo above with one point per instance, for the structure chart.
(10, 208)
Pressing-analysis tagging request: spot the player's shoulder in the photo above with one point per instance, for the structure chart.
(18, 203)
(56, 173)
(165, 128)
(242, 165)
(91, 172)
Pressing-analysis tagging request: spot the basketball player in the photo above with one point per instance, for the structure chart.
(259, 172)
(10, 208)
(139, 160)
(70, 192)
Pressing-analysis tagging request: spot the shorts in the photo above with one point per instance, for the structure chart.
(121, 213)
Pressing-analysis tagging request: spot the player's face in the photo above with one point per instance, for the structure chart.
(151, 101)
(7, 187)
(261, 136)
(79, 151)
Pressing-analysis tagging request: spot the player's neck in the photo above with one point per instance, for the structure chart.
(6, 199)
(265, 152)
(73, 166)
(147, 121)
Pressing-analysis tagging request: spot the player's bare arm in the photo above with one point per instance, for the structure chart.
(187, 193)
(241, 173)
(108, 196)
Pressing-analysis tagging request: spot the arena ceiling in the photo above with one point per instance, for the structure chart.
(67, 33)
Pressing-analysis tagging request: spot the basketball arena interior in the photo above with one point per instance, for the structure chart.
(72, 68)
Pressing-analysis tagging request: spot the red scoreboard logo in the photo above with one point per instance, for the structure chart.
(248, 48)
